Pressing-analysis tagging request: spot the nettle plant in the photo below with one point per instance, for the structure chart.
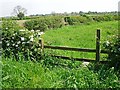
(16, 41)
(113, 47)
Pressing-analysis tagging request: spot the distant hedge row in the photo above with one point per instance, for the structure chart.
(50, 22)
(76, 20)
(73, 20)
(105, 18)
(45, 23)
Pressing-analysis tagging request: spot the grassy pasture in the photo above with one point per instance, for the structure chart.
(81, 36)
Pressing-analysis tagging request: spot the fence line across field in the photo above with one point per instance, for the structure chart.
(97, 50)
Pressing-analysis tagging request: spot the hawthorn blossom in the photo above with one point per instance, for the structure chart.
(13, 44)
(21, 30)
(18, 42)
(16, 45)
(12, 37)
(8, 44)
(107, 43)
(118, 49)
(23, 42)
(32, 30)
(22, 38)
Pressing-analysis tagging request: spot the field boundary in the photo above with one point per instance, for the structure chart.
(98, 51)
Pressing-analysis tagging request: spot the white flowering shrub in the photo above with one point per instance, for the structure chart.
(113, 47)
(17, 41)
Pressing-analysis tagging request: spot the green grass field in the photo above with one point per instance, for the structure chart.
(82, 36)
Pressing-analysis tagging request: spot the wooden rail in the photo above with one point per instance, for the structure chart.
(70, 48)
(78, 59)
(97, 50)
(74, 49)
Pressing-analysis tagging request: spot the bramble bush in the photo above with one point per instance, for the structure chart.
(17, 41)
(113, 47)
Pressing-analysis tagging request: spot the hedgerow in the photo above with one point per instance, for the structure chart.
(76, 20)
(45, 23)
(100, 18)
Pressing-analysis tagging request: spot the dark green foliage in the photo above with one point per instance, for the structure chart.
(68, 20)
(29, 25)
(20, 15)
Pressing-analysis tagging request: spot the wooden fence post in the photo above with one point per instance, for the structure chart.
(98, 45)
(42, 44)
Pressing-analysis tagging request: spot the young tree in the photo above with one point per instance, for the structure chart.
(19, 11)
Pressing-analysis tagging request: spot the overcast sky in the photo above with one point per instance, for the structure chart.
(58, 6)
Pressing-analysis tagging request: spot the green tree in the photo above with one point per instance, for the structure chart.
(19, 12)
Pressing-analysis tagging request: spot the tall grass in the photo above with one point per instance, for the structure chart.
(28, 74)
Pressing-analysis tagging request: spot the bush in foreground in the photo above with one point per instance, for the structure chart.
(17, 41)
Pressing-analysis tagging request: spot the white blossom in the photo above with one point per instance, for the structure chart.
(37, 30)
(14, 34)
(6, 28)
(13, 44)
(23, 42)
(85, 64)
(16, 45)
(31, 36)
(118, 49)
(22, 38)
(32, 30)
(112, 68)
(7, 41)
(40, 33)
(31, 39)
(107, 43)
(28, 42)
(22, 30)
(8, 44)
(18, 42)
